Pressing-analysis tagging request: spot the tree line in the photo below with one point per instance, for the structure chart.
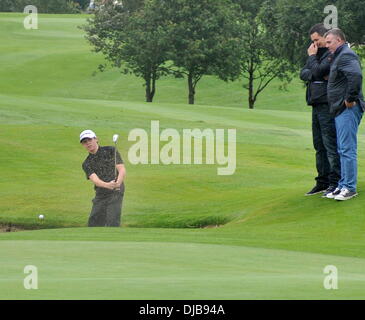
(255, 40)
(45, 6)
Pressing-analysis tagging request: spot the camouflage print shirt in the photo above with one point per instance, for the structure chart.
(102, 164)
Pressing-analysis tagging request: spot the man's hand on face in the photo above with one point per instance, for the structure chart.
(350, 104)
(312, 50)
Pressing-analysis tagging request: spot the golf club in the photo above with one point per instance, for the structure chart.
(115, 140)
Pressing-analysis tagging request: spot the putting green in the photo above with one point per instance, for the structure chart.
(158, 270)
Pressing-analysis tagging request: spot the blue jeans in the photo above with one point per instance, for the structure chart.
(347, 124)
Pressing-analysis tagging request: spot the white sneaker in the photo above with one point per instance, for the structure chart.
(346, 195)
(333, 194)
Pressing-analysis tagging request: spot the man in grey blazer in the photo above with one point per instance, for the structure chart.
(347, 104)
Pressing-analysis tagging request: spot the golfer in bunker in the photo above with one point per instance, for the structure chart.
(104, 167)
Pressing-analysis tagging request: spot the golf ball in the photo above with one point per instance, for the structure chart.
(41, 216)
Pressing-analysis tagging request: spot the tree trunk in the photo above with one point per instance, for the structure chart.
(191, 89)
(153, 91)
(149, 93)
(150, 86)
(251, 97)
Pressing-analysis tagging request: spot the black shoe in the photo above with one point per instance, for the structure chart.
(317, 189)
(330, 189)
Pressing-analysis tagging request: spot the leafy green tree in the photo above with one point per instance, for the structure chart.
(290, 21)
(132, 38)
(57, 6)
(43, 6)
(352, 22)
(261, 62)
(6, 5)
(83, 4)
(201, 34)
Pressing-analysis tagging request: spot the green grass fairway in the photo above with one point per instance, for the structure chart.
(161, 270)
(271, 243)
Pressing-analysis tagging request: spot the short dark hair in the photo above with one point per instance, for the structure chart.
(336, 32)
(319, 28)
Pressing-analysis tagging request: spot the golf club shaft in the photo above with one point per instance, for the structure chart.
(115, 163)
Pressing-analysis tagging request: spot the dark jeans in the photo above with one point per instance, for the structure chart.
(106, 211)
(325, 143)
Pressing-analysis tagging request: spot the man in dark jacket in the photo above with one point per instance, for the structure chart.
(315, 74)
(347, 104)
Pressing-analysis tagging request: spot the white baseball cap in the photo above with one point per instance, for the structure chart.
(87, 134)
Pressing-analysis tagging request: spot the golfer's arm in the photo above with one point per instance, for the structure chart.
(97, 181)
(121, 173)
